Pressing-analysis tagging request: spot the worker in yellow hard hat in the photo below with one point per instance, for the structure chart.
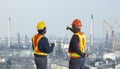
(41, 46)
(77, 46)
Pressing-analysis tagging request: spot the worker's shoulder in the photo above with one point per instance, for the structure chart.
(75, 36)
(44, 38)
(33, 37)
(80, 33)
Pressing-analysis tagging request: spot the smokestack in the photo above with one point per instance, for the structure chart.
(9, 29)
(18, 35)
(91, 31)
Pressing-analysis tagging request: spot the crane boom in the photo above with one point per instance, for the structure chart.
(112, 34)
(108, 25)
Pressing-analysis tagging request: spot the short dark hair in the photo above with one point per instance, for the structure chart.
(41, 31)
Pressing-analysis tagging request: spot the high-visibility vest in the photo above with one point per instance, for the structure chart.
(35, 41)
(81, 44)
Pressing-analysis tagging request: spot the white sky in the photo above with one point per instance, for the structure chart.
(57, 14)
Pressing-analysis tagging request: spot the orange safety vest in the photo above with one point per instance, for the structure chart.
(35, 41)
(81, 44)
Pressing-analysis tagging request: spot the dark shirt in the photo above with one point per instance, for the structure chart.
(74, 45)
(44, 45)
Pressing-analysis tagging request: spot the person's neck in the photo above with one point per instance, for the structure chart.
(41, 33)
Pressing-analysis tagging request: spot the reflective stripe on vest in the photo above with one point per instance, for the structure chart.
(81, 44)
(35, 41)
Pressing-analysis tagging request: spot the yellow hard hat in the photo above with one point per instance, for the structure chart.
(41, 25)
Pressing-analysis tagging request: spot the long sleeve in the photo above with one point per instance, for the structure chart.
(44, 45)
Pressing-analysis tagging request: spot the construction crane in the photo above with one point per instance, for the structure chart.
(112, 34)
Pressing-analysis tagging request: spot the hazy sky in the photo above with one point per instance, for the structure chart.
(57, 14)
